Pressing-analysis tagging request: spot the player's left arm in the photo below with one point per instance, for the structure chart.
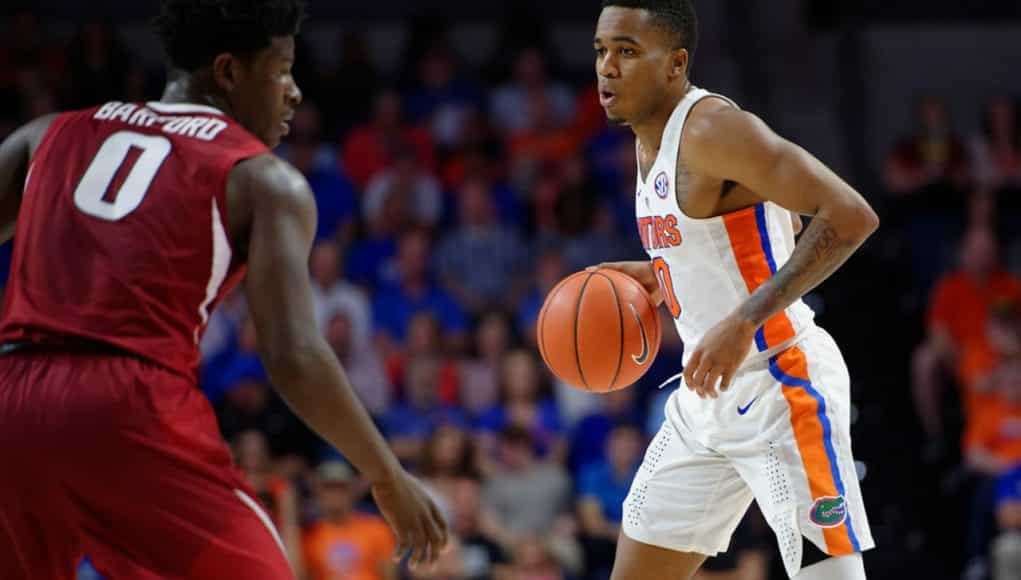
(735, 145)
(15, 154)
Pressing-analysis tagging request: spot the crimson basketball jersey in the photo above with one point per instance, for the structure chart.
(121, 237)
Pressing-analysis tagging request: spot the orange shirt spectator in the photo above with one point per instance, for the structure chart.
(359, 549)
(993, 439)
(346, 545)
(960, 307)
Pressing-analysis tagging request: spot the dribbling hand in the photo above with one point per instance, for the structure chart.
(640, 270)
(414, 518)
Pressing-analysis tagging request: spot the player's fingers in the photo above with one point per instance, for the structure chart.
(418, 550)
(709, 386)
(700, 375)
(689, 371)
(441, 525)
(725, 380)
(402, 547)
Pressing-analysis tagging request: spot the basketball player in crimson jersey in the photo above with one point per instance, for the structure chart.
(764, 408)
(131, 221)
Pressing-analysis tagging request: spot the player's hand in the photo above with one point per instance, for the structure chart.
(414, 518)
(718, 356)
(640, 270)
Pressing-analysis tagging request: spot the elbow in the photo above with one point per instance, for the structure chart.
(863, 221)
(291, 364)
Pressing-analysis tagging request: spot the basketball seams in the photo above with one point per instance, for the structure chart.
(620, 319)
(542, 318)
(577, 320)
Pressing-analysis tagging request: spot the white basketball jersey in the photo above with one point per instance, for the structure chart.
(708, 267)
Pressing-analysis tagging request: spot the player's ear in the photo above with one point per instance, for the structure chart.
(679, 63)
(225, 71)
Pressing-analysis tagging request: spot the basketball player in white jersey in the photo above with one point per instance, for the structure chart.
(764, 408)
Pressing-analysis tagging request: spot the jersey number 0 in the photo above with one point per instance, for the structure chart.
(93, 195)
(666, 285)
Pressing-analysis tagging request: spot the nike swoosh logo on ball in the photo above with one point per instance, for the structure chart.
(642, 357)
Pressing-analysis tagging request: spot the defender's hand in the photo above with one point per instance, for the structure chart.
(414, 518)
(718, 356)
(639, 270)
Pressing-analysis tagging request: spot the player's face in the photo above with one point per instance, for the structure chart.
(635, 62)
(266, 94)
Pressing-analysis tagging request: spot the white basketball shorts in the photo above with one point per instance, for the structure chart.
(779, 435)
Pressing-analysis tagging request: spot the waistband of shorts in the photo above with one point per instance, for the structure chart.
(71, 346)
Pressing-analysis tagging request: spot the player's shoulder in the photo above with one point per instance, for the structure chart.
(271, 178)
(29, 135)
(714, 120)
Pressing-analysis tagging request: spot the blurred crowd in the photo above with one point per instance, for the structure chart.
(966, 373)
(450, 201)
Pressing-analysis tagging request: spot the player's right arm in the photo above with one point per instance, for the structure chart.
(272, 208)
(15, 154)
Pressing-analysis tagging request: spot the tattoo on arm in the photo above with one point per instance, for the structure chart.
(817, 255)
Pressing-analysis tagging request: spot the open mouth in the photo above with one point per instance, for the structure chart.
(607, 98)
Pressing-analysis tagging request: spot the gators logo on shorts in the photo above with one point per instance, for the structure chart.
(828, 512)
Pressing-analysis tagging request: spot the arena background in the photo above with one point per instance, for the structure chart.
(457, 150)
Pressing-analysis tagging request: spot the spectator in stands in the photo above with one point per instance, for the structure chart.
(584, 222)
(481, 261)
(533, 560)
(482, 371)
(361, 362)
(1006, 551)
(237, 356)
(957, 338)
(332, 294)
(317, 161)
(934, 156)
(531, 97)
(409, 423)
(602, 488)
(370, 260)
(590, 434)
(525, 403)
(372, 147)
(250, 405)
(345, 543)
(549, 270)
(251, 454)
(443, 100)
(526, 495)
(425, 339)
(482, 556)
(992, 442)
(449, 462)
(996, 151)
(417, 190)
(413, 292)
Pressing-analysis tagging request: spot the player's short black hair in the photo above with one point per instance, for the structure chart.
(677, 16)
(195, 31)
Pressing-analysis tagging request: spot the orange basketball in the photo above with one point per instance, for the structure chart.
(598, 330)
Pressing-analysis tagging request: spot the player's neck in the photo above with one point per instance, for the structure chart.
(649, 130)
(186, 88)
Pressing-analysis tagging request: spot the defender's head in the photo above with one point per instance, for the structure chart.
(241, 51)
(643, 51)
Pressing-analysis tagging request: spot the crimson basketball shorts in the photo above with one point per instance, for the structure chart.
(781, 435)
(116, 458)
